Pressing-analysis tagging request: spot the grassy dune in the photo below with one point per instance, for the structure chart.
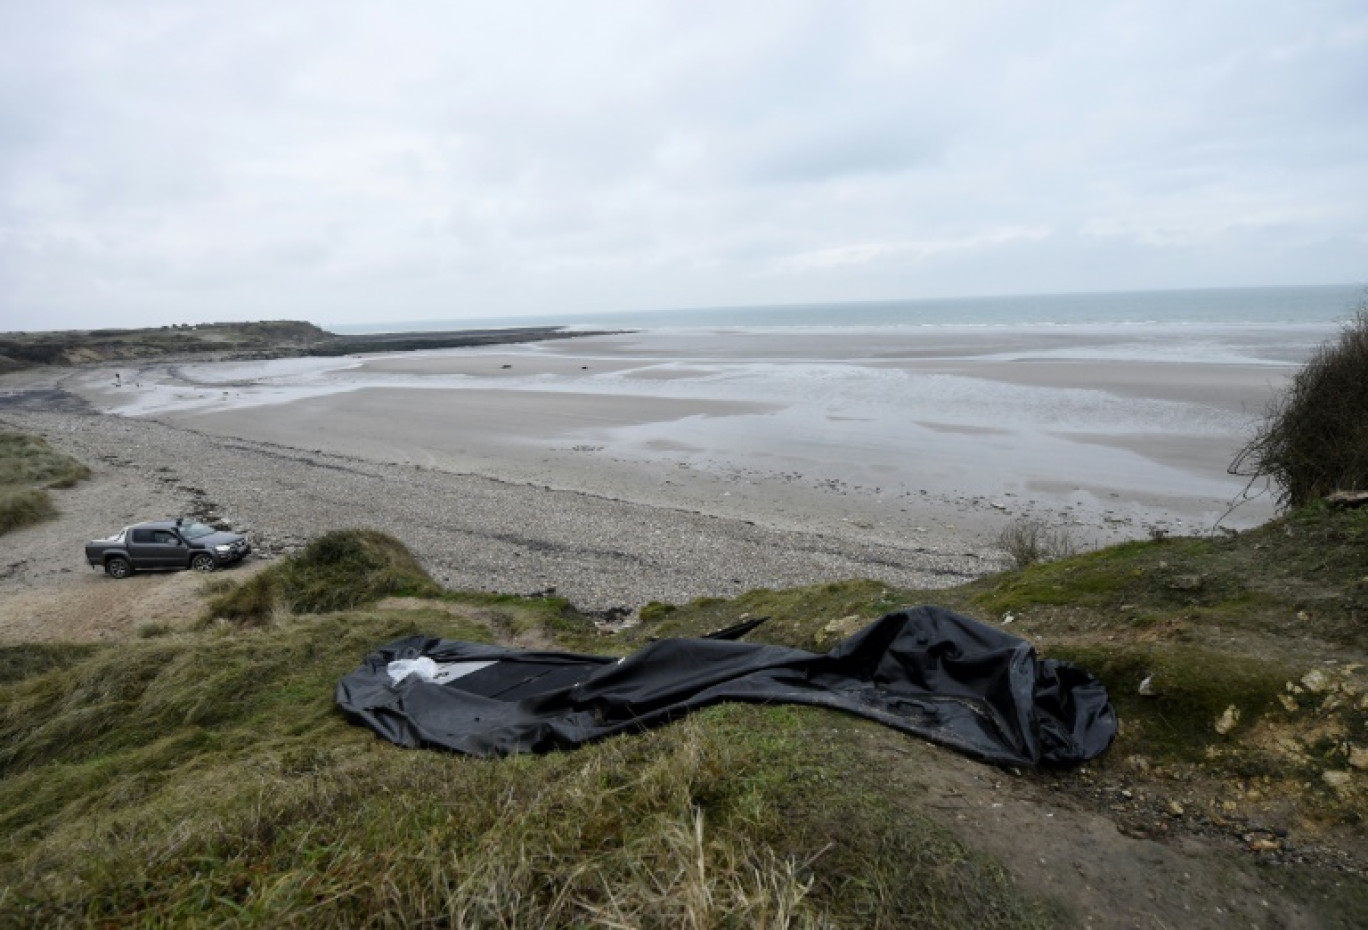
(28, 467)
(204, 775)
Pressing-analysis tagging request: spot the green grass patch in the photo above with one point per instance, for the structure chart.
(1304, 575)
(1191, 689)
(1127, 573)
(798, 617)
(18, 662)
(530, 620)
(124, 697)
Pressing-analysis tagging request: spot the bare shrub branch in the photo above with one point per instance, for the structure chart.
(1313, 439)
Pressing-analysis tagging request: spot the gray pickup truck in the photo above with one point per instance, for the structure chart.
(166, 544)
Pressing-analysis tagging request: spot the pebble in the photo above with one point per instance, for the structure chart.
(1315, 681)
(1228, 720)
(1336, 779)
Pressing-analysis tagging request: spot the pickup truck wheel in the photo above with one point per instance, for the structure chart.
(118, 567)
(202, 562)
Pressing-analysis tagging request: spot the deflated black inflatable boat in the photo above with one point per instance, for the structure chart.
(926, 671)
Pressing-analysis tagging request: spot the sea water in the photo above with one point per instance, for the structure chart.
(1321, 304)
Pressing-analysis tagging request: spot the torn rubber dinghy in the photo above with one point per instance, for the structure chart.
(926, 671)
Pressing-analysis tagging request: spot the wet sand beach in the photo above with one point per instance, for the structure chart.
(890, 433)
(666, 466)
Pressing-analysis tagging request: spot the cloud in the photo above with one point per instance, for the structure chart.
(167, 162)
(913, 250)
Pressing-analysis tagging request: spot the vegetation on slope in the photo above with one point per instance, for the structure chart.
(1236, 663)
(1313, 440)
(25, 349)
(266, 339)
(1204, 624)
(206, 776)
(339, 570)
(28, 467)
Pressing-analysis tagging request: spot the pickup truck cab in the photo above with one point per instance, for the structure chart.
(166, 544)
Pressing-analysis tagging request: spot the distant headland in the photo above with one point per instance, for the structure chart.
(265, 339)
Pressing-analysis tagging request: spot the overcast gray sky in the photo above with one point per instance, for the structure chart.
(353, 162)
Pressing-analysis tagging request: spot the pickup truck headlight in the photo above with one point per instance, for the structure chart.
(223, 550)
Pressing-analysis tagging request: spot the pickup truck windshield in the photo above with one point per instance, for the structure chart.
(196, 530)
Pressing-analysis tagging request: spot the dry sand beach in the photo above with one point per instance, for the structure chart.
(670, 465)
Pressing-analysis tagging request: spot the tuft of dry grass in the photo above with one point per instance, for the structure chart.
(28, 461)
(1028, 541)
(28, 465)
(21, 507)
